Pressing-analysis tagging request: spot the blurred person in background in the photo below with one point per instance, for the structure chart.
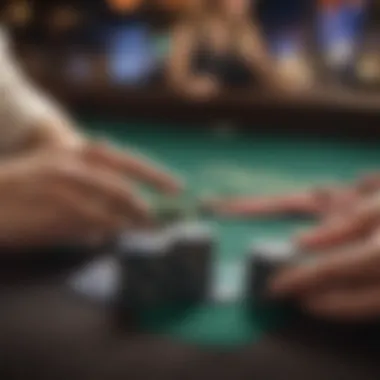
(218, 45)
(289, 26)
(56, 186)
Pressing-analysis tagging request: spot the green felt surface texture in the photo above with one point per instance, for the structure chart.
(215, 160)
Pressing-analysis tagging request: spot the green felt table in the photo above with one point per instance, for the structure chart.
(220, 160)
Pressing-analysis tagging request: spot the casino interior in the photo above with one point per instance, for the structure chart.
(265, 100)
(116, 55)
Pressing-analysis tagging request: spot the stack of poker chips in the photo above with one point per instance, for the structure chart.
(165, 269)
(190, 257)
(264, 261)
(170, 272)
(145, 275)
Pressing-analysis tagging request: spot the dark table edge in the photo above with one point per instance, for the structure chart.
(325, 110)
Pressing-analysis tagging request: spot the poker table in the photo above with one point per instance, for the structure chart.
(46, 332)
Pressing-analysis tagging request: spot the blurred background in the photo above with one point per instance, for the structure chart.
(135, 56)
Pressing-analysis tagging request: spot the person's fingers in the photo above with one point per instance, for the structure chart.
(51, 225)
(333, 231)
(344, 201)
(246, 206)
(351, 303)
(132, 166)
(343, 227)
(89, 213)
(316, 202)
(103, 186)
(69, 217)
(360, 260)
(324, 197)
(302, 203)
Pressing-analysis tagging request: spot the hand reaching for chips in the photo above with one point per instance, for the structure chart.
(63, 196)
(321, 203)
(344, 281)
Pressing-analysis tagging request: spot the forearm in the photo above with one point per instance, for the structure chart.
(27, 115)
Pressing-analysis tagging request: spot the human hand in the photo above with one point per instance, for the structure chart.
(58, 135)
(59, 196)
(343, 282)
(341, 200)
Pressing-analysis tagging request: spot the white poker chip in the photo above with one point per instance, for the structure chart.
(274, 250)
(98, 281)
(190, 232)
(228, 280)
(145, 243)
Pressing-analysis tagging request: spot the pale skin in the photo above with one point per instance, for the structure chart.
(56, 185)
(58, 192)
(63, 188)
(344, 282)
(56, 196)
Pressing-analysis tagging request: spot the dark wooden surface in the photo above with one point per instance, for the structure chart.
(326, 108)
(47, 333)
(323, 110)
